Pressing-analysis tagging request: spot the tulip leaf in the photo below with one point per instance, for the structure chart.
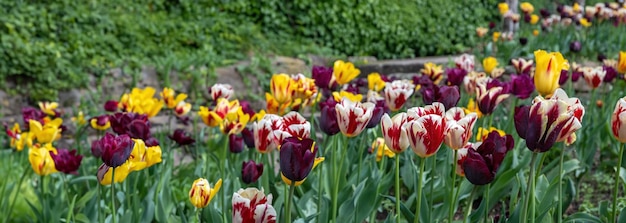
(622, 215)
(582, 217)
(406, 212)
(85, 198)
(127, 216)
(622, 174)
(148, 213)
(81, 218)
(82, 179)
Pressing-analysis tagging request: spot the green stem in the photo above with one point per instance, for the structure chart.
(452, 201)
(113, 194)
(198, 212)
(487, 202)
(43, 197)
(617, 183)
(398, 189)
(335, 177)
(358, 176)
(12, 202)
(222, 173)
(70, 212)
(470, 203)
(529, 189)
(432, 186)
(380, 170)
(288, 202)
(560, 189)
(419, 191)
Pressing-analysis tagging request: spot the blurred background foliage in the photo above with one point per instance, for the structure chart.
(48, 46)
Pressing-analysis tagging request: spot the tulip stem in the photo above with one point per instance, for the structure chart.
(113, 194)
(560, 189)
(432, 186)
(12, 203)
(358, 176)
(397, 189)
(288, 202)
(617, 182)
(487, 190)
(198, 212)
(335, 176)
(43, 196)
(529, 190)
(470, 203)
(380, 170)
(453, 183)
(419, 191)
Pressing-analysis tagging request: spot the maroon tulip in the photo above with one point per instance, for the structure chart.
(66, 161)
(181, 137)
(455, 76)
(611, 73)
(423, 81)
(564, 76)
(575, 46)
(151, 142)
(135, 125)
(497, 83)
(323, 76)
(576, 74)
(481, 165)
(328, 117)
(115, 150)
(523, 41)
(522, 86)
(297, 157)
(251, 171)
(110, 106)
(29, 113)
(248, 137)
(245, 107)
(449, 96)
(235, 143)
(601, 57)
(377, 113)
(544, 13)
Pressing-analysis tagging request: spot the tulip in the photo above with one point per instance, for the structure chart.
(548, 70)
(170, 98)
(16, 136)
(272, 105)
(395, 132)
(111, 106)
(344, 72)
(251, 205)
(522, 66)
(495, 36)
(221, 91)
(297, 158)
(328, 117)
(455, 76)
(593, 76)
(182, 108)
(234, 122)
(575, 46)
(618, 121)
(460, 127)
(323, 77)
(353, 117)
(47, 133)
(521, 86)
(426, 134)
(397, 92)
(293, 125)
(375, 82)
(481, 165)
(347, 94)
(264, 137)
(100, 122)
(29, 113)
(379, 109)
(472, 79)
(115, 150)
(434, 72)
(481, 31)
(40, 159)
(141, 101)
(488, 99)
(235, 143)
(503, 8)
(489, 64)
(201, 192)
(105, 172)
(66, 161)
(465, 62)
(576, 109)
(621, 62)
(181, 137)
(381, 149)
(449, 96)
(527, 7)
(251, 171)
(461, 155)
(248, 137)
(283, 88)
(611, 73)
(49, 108)
(215, 117)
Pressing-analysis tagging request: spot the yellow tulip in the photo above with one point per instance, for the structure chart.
(167, 95)
(548, 71)
(283, 88)
(79, 119)
(527, 7)
(503, 8)
(489, 64)
(621, 62)
(472, 107)
(40, 159)
(273, 107)
(584, 22)
(47, 133)
(338, 96)
(344, 72)
(534, 19)
(234, 122)
(375, 82)
(535, 32)
(576, 7)
(381, 149)
(48, 107)
(481, 31)
(496, 36)
(201, 192)
(434, 72)
(141, 101)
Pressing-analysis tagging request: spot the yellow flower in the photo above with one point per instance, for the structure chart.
(234, 122)
(121, 172)
(434, 72)
(584, 22)
(40, 159)
(306, 90)
(375, 82)
(534, 19)
(503, 8)
(79, 119)
(472, 107)
(143, 156)
(182, 108)
(48, 107)
(381, 149)
(141, 101)
(489, 64)
(283, 88)
(273, 107)
(216, 116)
(201, 192)
(576, 7)
(47, 133)
(548, 71)
(496, 36)
(344, 72)
(621, 62)
(258, 116)
(352, 97)
(287, 181)
(100, 123)
(527, 7)
(481, 31)
(167, 95)
(483, 133)
(535, 32)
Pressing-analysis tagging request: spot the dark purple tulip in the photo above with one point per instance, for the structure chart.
(248, 137)
(101, 120)
(352, 88)
(115, 149)
(423, 81)
(455, 76)
(66, 161)
(251, 171)
(497, 83)
(97, 148)
(235, 143)
(181, 137)
(322, 76)
(563, 77)
(328, 117)
(449, 96)
(151, 142)
(135, 125)
(576, 74)
(481, 165)
(245, 107)
(29, 113)
(575, 46)
(527, 18)
(544, 13)
(601, 57)
(377, 113)
(522, 86)
(297, 157)
(361, 82)
(139, 129)
(523, 41)
(110, 106)
(611, 73)
(492, 25)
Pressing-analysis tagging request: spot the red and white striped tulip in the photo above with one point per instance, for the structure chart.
(264, 137)
(576, 109)
(252, 205)
(618, 120)
(293, 125)
(593, 76)
(352, 117)
(460, 127)
(221, 91)
(426, 134)
(437, 108)
(462, 154)
(394, 132)
(397, 92)
(465, 62)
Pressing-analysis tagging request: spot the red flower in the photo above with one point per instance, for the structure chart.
(395, 132)
(115, 150)
(353, 117)
(252, 206)
(66, 161)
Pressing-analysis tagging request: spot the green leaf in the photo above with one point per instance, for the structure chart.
(406, 212)
(86, 198)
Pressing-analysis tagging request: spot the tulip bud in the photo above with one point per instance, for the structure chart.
(201, 192)
(248, 137)
(111, 106)
(116, 149)
(575, 46)
(296, 158)
(235, 143)
(181, 137)
(66, 161)
(251, 171)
